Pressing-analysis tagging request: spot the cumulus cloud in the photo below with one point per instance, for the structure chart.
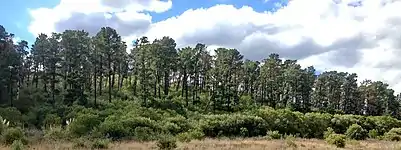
(361, 36)
(126, 16)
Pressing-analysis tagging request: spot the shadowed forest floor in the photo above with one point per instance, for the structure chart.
(238, 144)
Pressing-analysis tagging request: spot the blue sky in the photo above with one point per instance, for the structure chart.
(18, 22)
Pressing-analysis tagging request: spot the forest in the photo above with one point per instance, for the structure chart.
(72, 86)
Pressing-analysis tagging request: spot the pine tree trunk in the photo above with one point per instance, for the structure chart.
(94, 83)
(110, 80)
(166, 83)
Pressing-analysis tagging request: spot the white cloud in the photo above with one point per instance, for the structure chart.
(346, 35)
(124, 15)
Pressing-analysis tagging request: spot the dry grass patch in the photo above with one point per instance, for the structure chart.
(235, 144)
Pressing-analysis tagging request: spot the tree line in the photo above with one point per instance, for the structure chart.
(73, 67)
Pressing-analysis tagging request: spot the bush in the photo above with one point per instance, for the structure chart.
(328, 132)
(12, 134)
(393, 135)
(316, 124)
(167, 143)
(52, 120)
(373, 133)
(230, 125)
(17, 145)
(113, 127)
(336, 139)
(144, 134)
(283, 120)
(101, 143)
(190, 135)
(83, 124)
(244, 132)
(290, 141)
(356, 132)
(12, 114)
(55, 133)
(384, 124)
(273, 135)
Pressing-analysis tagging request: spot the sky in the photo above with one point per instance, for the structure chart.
(356, 36)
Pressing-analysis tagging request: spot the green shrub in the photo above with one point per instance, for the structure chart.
(290, 141)
(144, 134)
(316, 124)
(384, 124)
(12, 114)
(340, 123)
(283, 120)
(230, 125)
(190, 135)
(373, 133)
(17, 145)
(12, 134)
(55, 133)
(167, 143)
(244, 132)
(83, 124)
(393, 135)
(273, 135)
(113, 127)
(356, 132)
(52, 120)
(328, 132)
(336, 139)
(101, 143)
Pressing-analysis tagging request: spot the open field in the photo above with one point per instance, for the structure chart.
(239, 144)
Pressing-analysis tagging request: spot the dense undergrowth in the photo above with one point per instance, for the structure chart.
(128, 120)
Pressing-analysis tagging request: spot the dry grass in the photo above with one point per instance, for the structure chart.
(238, 144)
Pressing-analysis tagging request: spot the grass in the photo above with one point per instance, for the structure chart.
(237, 144)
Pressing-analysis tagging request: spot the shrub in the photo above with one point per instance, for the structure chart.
(393, 135)
(340, 123)
(273, 135)
(55, 133)
(17, 145)
(244, 132)
(336, 139)
(12, 134)
(316, 124)
(167, 143)
(51, 120)
(384, 124)
(101, 143)
(144, 134)
(373, 133)
(114, 128)
(328, 132)
(11, 114)
(230, 125)
(356, 132)
(83, 124)
(190, 135)
(290, 141)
